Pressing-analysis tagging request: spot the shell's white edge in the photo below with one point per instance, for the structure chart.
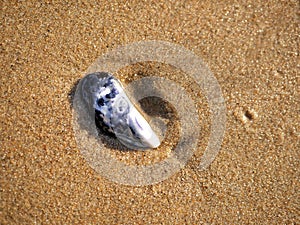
(143, 129)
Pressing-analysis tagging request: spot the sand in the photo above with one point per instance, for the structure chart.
(252, 48)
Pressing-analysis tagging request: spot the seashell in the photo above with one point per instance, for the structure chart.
(115, 113)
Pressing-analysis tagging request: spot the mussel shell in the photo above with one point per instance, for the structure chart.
(114, 113)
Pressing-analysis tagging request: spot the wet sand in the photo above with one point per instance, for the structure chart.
(252, 49)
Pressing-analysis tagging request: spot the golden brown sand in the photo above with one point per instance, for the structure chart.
(253, 50)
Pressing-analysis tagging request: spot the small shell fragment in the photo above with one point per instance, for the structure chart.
(115, 113)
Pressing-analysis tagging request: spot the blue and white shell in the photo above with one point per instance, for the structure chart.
(115, 113)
